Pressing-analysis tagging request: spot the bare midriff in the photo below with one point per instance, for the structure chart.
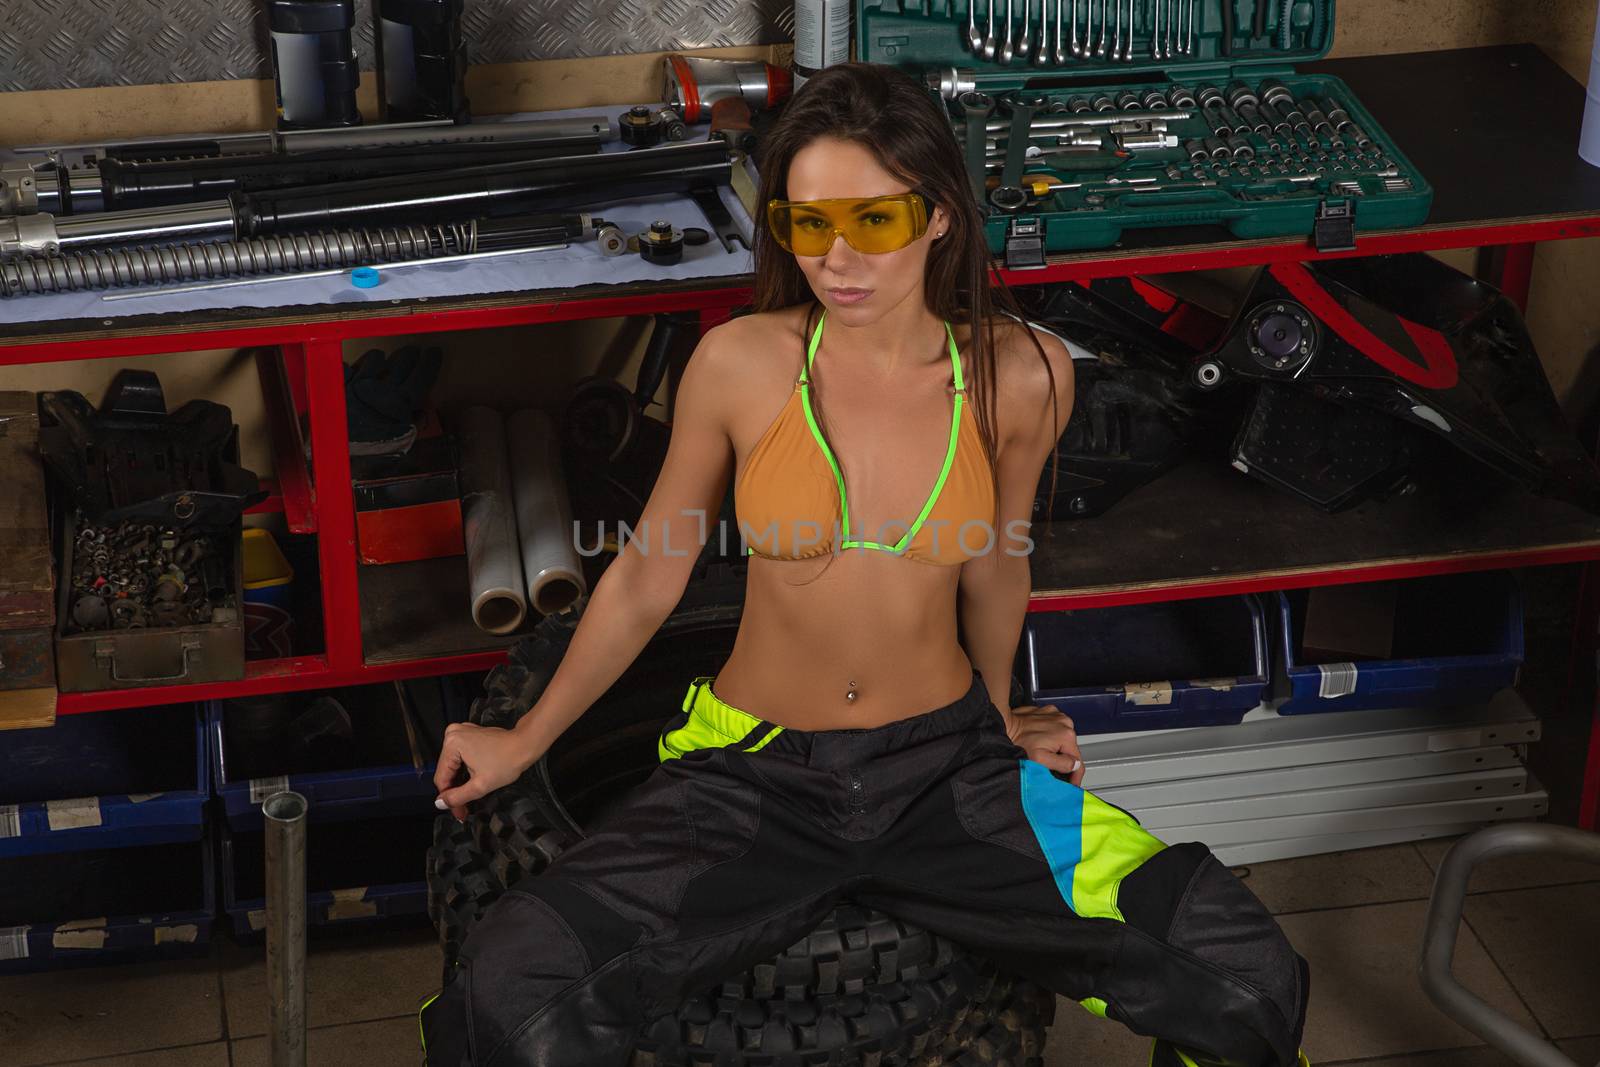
(887, 624)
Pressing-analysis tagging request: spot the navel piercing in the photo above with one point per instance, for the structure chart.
(852, 694)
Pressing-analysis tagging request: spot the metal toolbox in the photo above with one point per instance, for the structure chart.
(130, 464)
(1149, 113)
(152, 655)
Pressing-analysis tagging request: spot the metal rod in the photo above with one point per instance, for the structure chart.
(211, 219)
(123, 267)
(332, 271)
(441, 131)
(1101, 118)
(285, 815)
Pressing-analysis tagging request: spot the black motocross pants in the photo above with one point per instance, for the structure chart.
(748, 834)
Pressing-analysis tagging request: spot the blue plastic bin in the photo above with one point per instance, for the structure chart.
(108, 905)
(356, 872)
(1149, 666)
(381, 781)
(1457, 640)
(112, 779)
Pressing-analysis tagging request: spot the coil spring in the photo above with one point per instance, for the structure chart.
(119, 268)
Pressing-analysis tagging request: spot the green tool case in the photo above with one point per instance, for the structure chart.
(1263, 151)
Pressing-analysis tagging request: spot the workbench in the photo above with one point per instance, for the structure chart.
(1477, 122)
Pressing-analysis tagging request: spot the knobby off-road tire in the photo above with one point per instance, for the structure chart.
(861, 990)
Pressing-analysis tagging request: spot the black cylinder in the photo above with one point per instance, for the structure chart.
(495, 190)
(422, 60)
(152, 184)
(314, 63)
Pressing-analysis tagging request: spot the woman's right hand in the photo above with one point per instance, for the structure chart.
(491, 758)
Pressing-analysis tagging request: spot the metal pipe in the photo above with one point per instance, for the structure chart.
(209, 220)
(124, 184)
(474, 191)
(285, 815)
(1444, 919)
(578, 127)
(44, 234)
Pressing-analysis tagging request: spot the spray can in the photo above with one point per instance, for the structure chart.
(314, 63)
(421, 59)
(821, 36)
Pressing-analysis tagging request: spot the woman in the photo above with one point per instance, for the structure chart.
(808, 769)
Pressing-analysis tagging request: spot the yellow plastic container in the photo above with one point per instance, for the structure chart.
(264, 565)
(268, 622)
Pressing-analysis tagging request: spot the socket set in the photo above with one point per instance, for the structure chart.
(1207, 122)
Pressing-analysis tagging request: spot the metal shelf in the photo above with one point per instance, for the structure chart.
(1138, 552)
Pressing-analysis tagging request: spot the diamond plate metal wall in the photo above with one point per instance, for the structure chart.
(69, 44)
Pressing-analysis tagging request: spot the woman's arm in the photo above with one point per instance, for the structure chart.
(994, 588)
(636, 592)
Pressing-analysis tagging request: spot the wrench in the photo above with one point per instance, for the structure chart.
(989, 40)
(1188, 44)
(974, 38)
(1023, 43)
(1116, 39)
(1077, 48)
(1008, 43)
(1022, 108)
(1041, 55)
(1155, 29)
(1166, 47)
(977, 108)
(1100, 45)
(1127, 42)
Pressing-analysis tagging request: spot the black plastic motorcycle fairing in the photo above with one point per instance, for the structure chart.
(1135, 415)
(1412, 338)
(1334, 455)
(131, 460)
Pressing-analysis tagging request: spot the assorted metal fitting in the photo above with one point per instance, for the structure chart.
(136, 574)
(641, 127)
(661, 244)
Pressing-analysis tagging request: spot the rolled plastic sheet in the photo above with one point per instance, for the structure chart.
(550, 562)
(1589, 140)
(489, 523)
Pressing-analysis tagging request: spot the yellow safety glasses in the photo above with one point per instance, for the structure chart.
(871, 224)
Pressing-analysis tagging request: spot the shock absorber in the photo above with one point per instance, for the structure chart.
(123, 267)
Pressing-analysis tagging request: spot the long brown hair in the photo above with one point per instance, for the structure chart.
(886, 111)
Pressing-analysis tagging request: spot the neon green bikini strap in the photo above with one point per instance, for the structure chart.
(955, 359)
(811, 352)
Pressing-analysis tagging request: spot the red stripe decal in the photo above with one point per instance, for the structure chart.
(1159, 299)
(1439, 370)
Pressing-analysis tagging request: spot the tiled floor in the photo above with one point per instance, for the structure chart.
(1531, 948)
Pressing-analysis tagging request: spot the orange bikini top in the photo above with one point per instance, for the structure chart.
(790, 499)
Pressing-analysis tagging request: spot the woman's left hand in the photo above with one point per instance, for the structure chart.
(1047, 735)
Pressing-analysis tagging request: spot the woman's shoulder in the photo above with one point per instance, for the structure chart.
(1017, 348)
(1023, 381)
(757, 342)
(760, 326)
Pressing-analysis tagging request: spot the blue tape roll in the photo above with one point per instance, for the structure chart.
(364, 277)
